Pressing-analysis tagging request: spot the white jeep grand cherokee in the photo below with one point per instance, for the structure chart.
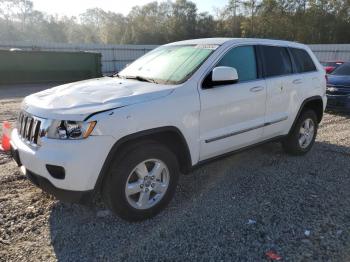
(129, 136)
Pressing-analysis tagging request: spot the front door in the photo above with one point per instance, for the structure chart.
(232, 116)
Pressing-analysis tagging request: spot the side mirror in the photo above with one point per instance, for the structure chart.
(224, 75)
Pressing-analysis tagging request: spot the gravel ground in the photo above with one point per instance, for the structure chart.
(234, 209)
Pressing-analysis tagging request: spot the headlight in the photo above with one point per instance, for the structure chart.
(70, 129)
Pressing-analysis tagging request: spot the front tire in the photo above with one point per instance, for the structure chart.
(302, 137)
(142, 181)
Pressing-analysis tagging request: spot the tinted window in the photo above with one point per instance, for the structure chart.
(343, 70)
(303, 61)
(276, 61)
(243, 59)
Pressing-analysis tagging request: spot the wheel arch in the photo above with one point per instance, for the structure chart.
(315, 103)
(170, 136)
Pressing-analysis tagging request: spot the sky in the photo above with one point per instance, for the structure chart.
(76, 7)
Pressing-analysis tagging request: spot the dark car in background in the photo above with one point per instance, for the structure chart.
(338, 88)
(331, 65)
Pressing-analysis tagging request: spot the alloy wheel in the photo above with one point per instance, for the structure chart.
(306, 133)
(147, 184)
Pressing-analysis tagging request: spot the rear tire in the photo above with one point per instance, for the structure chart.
(142, 181)
(302, 137)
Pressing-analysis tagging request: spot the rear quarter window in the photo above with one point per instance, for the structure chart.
(303, 61)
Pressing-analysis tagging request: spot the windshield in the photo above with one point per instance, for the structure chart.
(168, 64)
(343, 70)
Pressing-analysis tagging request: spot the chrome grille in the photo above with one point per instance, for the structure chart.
(29, 128)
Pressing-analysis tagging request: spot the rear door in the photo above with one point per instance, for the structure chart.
(307, 78)
(281, 82)
(232, 116)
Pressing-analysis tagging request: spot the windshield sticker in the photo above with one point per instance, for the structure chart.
(212, 47)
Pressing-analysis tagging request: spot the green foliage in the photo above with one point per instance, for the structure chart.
(307, 21)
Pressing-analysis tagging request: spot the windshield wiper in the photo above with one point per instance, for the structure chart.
(141, 78)
(113, 75)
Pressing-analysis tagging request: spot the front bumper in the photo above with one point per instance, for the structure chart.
(338, 103)
(81, 197)
(82, 161)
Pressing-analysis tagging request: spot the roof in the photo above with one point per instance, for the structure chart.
(203, 41)
(221, 41)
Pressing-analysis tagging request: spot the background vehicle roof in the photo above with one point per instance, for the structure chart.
(221, 41)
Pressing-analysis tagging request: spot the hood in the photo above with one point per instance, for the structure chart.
(77, 100)
(335, 80)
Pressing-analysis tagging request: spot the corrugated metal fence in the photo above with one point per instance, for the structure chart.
(332, 52)
(115, 57)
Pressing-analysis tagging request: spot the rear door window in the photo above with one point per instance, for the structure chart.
(242, 58)
(303, 61)
(276, 61)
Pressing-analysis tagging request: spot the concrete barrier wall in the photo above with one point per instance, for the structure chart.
(114, 57)
(47, 66)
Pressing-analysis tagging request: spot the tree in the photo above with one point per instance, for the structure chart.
(251, 7)
(308, 21)
(182, 21)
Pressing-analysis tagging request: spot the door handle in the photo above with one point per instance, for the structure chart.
(256, 89)
(297, 81)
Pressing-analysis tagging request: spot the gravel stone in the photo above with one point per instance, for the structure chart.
(103, 213)
(207, 220)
